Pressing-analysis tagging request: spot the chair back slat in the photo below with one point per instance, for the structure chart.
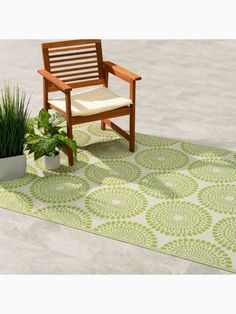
(81, 78)
(70, 54)
(67, 67)
(94, 56)
(60, 58)
(71, 48)
(73, 69)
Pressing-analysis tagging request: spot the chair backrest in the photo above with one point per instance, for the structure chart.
(78, 63)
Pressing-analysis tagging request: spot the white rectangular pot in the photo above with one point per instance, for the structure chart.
(52, 162)
(12, 167)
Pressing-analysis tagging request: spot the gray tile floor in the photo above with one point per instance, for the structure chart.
(187, 92)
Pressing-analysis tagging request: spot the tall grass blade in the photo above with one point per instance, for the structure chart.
(13, 121)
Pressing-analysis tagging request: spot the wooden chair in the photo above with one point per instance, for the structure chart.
(79, 63)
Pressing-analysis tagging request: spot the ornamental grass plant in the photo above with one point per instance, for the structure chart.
(13, 121)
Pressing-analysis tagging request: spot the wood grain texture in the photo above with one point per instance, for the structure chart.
(132, 116)
(116, 128)
(68, 43)
(71, 48)
(55, 81)
(74, 69)
(120, 72)
(78, 53)
(123, 111)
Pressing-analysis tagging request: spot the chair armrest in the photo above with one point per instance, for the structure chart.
(55, 81)
(120, 72)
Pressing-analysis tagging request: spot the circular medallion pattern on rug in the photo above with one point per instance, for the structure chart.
(116, 202)
(170, 185)
(29, 177)
(224, 232)
(96, 130)
(67, 215)
(219, 198)
(110, 149)
(112, 172)
(128, 231)
(213, 170)
(180, 219)
(59, 189)
(81, 137)
(203, 151)
(162, 159)
(16, 201)
(151, 140)
(200, 251)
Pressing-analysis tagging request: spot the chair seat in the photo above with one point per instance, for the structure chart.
(96, 100)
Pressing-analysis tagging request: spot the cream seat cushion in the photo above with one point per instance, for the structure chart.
(96, 100)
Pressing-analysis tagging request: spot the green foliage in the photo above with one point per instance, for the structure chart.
(13, 121)
(46, 137)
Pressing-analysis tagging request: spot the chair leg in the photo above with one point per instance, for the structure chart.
(103, 125)
(132, 130)
(69, 151)
(45, 95)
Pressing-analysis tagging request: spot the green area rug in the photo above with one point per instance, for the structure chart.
(169, 196)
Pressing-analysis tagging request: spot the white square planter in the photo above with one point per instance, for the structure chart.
(52, 162)
(12, 167)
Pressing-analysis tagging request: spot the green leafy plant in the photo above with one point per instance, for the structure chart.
(46, 137)
(13, 121)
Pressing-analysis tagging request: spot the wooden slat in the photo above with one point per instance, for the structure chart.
(75, 69)
(57, 109)
(100, 60)
(73, 59)
(71, 48)
(86, 83)
(79, 84)
(45, 94)
(45, 59)
(55, 81)
(66, 43)
(81, 78)
(101, 116)
(132, 116)
(73, 64)
(117, 128)
(120, 72)
(72, 54)
(77, 73)
(69, 60)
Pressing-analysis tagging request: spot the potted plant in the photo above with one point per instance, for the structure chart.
(46, 138)
(13, 127)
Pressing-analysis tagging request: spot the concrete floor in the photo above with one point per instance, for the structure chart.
(187, 92)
